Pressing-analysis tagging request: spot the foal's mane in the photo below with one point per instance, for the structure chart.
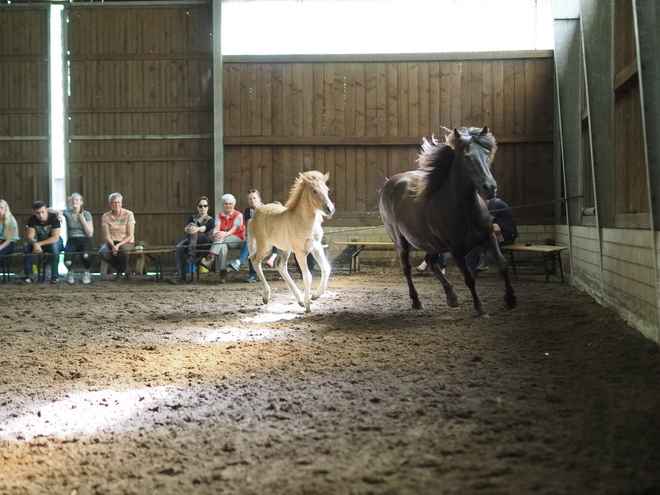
(298, 188)
(436, 158)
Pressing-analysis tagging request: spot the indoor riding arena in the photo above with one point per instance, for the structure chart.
(142, 383)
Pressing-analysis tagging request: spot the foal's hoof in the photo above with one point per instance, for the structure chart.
(510, 302)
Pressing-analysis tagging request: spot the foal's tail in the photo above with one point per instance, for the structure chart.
(251, 239)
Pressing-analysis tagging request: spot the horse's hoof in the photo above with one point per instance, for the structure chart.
(417, 305)
(483, 315)
(510, 303)
(452, 303)
(301, 304)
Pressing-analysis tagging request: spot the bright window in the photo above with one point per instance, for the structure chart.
(268, 27)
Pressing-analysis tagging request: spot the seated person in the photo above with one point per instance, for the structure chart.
(227, 234)
(119, 234)
(80, 230)
(199, 232)
(254, 203)
(504, 227)
(442, 261)
(43, 236)
(8, 230)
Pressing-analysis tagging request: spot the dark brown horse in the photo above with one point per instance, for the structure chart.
(438, 208)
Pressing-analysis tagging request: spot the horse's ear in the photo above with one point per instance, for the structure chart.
(457, 134)
(326, 177)
(485, 131)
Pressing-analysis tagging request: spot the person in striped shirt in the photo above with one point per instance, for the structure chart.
(119, 233)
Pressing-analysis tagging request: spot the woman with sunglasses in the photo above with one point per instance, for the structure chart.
(199, 231)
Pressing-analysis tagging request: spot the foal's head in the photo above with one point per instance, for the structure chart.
(310, 190)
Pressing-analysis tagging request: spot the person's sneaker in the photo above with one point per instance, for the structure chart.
(252, 279)
(27, 280)
(235, 265)
(70, 278)
(87, 278)
(54, 280)
(482, 266)
(207, 262)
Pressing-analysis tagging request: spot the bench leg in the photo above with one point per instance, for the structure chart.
(561, 269)
(354, 265)
(545, 267)
(513, 263)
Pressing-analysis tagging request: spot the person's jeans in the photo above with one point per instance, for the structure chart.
(186, 250)
(478, 253)
(243, 254)
(51, 250)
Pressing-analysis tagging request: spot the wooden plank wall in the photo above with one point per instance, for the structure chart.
(141, 112)
(24, 112)
(629, 162)
(363, 121)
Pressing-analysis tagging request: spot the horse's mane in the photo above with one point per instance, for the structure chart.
(436, 158)
(298, 187)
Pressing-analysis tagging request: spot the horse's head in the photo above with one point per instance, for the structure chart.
(475, 150)
(318, 190)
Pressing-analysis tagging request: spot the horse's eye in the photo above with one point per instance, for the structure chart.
(315, 191)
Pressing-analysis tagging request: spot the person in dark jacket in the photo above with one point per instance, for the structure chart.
(504, 227)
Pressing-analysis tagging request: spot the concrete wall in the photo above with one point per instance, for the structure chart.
(623, 278)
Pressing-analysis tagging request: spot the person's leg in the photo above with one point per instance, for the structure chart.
(8, 249)
(180, 255)
(105, 253)
(230, 242)
(28, 260)
(311, 263)
(122, 258)
(473, 258)
(69, 256)
(86, 249)
(54, 251)
(200, 239)
(240, 259)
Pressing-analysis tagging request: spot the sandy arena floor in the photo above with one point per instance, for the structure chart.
(147, 388)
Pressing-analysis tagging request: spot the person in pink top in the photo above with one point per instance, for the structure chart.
(119, 233)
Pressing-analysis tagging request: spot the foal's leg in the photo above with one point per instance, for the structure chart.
(301, 256)
(452, 298)
(319, 256)
(282, 264)
(403, 252)
(510, 300)
(256, 257)
(469, 278)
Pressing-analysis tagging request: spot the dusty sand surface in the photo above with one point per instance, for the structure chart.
(147, 388)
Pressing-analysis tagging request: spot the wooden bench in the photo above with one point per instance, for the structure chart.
(356, 247)
(39, 259)
(550, 254)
